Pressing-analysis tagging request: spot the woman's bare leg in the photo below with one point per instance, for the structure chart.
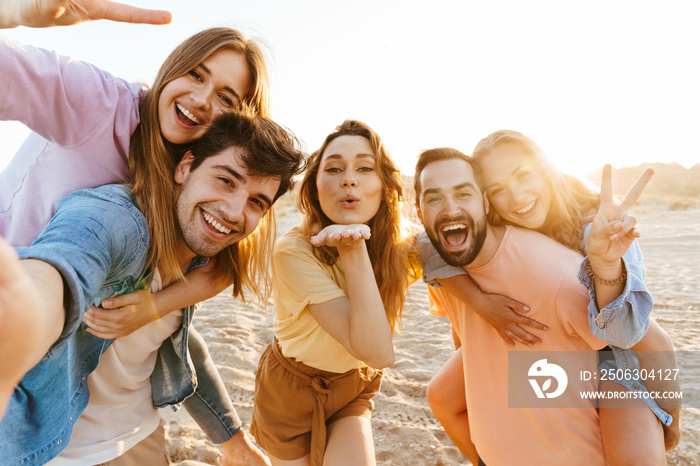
(656, 354)
(447, 397)
(632, 434)
(349, 441)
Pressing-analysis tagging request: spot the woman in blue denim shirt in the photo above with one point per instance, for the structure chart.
(525, 190)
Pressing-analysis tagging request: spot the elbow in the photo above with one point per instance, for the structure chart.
(381, 361)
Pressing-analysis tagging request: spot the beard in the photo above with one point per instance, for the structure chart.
(472, 249)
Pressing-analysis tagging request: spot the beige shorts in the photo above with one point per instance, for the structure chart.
(294, 403)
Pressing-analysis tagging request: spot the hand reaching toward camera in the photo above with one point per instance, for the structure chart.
(47, 13)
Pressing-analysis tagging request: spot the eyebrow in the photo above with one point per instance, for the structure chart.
(454, 188)
(226, 88)
(338, 156)
(242, 179)
(517, 169)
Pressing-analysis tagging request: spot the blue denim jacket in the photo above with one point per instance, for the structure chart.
(98, 240)
(621, 323)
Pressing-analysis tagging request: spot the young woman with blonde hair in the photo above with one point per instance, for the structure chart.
(339, 284)
(525, 190)
(91, 128)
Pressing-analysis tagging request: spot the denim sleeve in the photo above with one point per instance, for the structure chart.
(434, 266)
(86, 238)
(624, 321)
(210, 406)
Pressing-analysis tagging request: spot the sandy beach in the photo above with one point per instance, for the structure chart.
(405, 431)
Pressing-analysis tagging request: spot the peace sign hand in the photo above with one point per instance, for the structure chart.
(612, 230)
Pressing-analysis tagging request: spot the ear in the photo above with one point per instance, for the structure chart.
(183, 168)
(418, 212)
(487, 206)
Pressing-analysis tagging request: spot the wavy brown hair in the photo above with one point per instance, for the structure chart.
(390, 247)
(152, 159)
(573, 204)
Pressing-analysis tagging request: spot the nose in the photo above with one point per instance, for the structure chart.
(517, 193)
(349, 180)
(452, 209)
(200, 98)
(234, 209)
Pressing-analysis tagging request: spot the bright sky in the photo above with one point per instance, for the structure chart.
(592, 81)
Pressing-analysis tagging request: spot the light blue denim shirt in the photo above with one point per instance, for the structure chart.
(621, 323)
(98, 240)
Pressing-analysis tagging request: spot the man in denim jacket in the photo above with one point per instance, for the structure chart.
(97, 246)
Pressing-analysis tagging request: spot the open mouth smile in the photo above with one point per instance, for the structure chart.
(454, 235)
(211, 221)
(185, 116)
(527, 209)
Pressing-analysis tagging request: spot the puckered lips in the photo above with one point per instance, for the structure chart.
(454, 234)
(186, 117)
(349, 201)
(215, 226)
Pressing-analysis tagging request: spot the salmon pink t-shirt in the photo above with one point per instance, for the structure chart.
(541, 273)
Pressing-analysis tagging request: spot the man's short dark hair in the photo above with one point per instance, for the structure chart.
(443, 153)
(268, 149)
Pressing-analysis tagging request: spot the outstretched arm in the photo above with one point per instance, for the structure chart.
(32, 316)
(122, 315)
(357, 321)
(47, 13)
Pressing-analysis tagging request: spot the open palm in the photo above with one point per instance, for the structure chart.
(47, 13)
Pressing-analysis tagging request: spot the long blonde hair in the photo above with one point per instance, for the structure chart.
(390, 247)
(152, 159)
(572, 202)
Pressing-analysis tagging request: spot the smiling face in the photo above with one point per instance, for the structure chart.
(190, 102)
(349, 187)
(516, 187)
(219, 203)
(453, 211)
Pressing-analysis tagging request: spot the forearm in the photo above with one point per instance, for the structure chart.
(200, 285)
(33, 321)
(606, 280)
(624, 320)
(463, 288)
(369, 331)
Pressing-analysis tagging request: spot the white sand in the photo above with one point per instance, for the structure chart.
(405, 431)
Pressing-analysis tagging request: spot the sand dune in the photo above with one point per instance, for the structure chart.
(405, 431)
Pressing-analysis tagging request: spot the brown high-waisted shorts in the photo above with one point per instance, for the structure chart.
(294, 403)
